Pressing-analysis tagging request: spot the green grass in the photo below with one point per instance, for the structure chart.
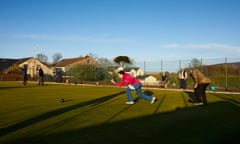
(96, 114)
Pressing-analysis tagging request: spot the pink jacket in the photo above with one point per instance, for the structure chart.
(127, 79)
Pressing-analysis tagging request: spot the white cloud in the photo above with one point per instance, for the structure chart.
(103, 39)
(209, 46)
(212, 46)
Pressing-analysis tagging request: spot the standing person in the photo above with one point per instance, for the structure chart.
(183, 77)
(200, 85)
(132, 84)
(24, 74)
(41, 77)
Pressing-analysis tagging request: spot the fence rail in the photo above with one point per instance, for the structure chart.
(224, 72)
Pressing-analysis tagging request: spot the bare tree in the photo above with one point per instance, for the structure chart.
(56, 57)
(195, 63)
(42, 57)
(104, 62)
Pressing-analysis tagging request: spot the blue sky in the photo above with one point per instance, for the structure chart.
(144, 30)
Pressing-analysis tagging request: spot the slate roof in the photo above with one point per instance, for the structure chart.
(5, 63)
(65, 62)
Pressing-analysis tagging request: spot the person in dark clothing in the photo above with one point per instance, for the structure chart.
(183, 77)
(200, 84)
(41, 77)
(24, 74)
(164, 81)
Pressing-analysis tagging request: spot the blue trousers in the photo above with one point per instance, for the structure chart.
(138, 89)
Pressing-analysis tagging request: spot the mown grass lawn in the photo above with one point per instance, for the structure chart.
(98, 114)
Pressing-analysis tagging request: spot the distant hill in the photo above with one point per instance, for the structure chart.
(216, 69)
(234, 64)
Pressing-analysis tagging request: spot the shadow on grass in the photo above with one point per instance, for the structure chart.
(22, 87)
(191, 96)
(160, 103)
(213, 123)
(54, 113)
(23, 108)
(230, 99)
(148, 92)
(15, 87)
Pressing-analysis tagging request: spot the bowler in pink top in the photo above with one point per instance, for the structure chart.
(132, 84)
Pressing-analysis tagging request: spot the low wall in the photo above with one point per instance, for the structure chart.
(10, 77)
